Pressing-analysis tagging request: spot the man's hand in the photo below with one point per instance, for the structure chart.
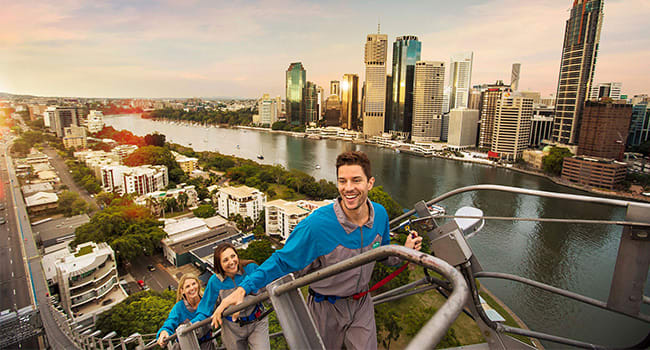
(236, 298)
(413, 241)
(162, 338)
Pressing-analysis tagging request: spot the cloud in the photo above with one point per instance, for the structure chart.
(208, 48)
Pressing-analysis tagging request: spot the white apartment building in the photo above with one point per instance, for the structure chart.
(283, 216)
(141, 180)
(427, 101)
(95, 122)
(243, 200)
(123, 151)
(460, 76)
(269, 110)
(512, 127)
(463, 125)
(88, 280)
(376, 50)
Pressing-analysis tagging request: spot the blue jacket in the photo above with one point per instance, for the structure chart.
(324, 238)
(220, 287)
(177, 316)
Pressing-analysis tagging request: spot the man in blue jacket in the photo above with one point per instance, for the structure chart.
(350, 226)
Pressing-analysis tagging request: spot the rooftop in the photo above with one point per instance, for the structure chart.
(59, 229)
(41, 198)
(240, 191)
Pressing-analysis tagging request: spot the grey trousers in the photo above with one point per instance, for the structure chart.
(350, 322)
(255, 334)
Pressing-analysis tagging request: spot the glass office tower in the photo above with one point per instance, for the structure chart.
(296, 81)
(406, 52)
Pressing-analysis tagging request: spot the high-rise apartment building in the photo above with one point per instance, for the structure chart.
(490, 96)
(611, 90)
(514, 76)
(310, 98)
(268, 109)
(335, 88)
(350, 102)
(427, 108)
(295, 84)
(374, 110)
(460, 77)
(512, 126)
(406, 52)
(581, 38)
(61, 118)
(604, 129)
(95, 122)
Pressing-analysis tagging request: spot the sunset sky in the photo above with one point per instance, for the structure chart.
(242, 48)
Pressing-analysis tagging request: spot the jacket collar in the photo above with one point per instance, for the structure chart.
(348, 225)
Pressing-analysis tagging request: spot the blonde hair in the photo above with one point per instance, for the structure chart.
(180, 293)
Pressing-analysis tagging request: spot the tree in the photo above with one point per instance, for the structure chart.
(155, 139)
(143, 312)
(71, 204)
(258, 250)
(388, 325)
(378, 195)
(552, 163)
(182, 200)
(129, 229)
(204, 211)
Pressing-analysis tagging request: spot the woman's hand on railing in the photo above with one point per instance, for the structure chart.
(162, 338)
(235, 298)
(413, 241)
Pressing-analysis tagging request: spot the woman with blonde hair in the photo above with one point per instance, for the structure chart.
(252, 328)
(188, 297)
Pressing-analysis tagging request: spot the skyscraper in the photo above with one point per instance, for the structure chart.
(581, 38)
(460, 77)
(639, 125)
(350, 102)
(374, 110)
(512, 126)
(296, 81)
(427, 108)
(491, 95)
(406, 52)
(310, 98)
(514, 76)
(335, 88)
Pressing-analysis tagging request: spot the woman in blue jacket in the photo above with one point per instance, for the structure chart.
(188, 297)
(250, 329)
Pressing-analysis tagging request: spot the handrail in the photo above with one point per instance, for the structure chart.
(429, 335)
(574, 197)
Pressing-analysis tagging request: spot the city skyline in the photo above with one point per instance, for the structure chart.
(172, 49)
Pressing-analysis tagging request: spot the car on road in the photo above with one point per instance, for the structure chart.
(2, 220)
(2, 206)
(151, 268)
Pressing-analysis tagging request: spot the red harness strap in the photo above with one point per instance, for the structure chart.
(381, 283)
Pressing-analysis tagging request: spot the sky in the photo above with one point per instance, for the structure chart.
(194, 48)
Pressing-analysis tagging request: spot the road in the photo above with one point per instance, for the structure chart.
(64, 174)
(13, 281)
(157, 280)
(35, 289)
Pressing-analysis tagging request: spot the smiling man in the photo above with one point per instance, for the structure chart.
(331, 234)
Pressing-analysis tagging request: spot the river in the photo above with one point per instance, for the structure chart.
(576, 257)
